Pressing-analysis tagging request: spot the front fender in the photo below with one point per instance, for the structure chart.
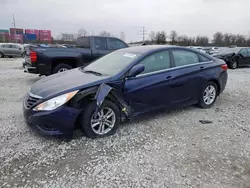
(100, 94)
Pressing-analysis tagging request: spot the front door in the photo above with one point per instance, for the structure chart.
(150, 89)
(248, 56)
(244, 57)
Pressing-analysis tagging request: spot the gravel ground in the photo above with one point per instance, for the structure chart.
(165, 149)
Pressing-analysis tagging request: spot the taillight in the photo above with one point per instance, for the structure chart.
(224, 67)
(33, 57)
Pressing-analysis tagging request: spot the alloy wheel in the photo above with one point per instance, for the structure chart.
(103, 121)
(234, 64)
(209, 95)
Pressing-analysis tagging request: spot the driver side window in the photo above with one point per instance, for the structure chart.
(243, 52)
(156, 62)
(248, 52)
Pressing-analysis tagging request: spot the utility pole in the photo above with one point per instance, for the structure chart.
(14, 25)
(143, 32)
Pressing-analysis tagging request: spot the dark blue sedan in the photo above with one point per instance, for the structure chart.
(121, 85)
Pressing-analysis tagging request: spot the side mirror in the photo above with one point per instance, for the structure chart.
(240, 55)
(135, 70)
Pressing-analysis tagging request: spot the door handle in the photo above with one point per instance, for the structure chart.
(202, 68)
(168, 78)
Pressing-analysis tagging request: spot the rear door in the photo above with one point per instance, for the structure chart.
(100, 47)
(189, 75)
(6, 49)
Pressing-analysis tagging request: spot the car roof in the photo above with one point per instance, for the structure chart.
(149, 48)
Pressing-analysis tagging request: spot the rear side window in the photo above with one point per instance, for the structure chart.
(83, 42)
(203, 58)
(182, 58)
(156, 62)
(101, 43)
(116, 44)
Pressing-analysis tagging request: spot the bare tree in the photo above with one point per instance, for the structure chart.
(122, 36)
(105, 34)
(81, 32)
(240, 40)
(218, 39)
(161, 37)
(183, 40)
(227, 39)
(152, 36)
(202, 40)
(248, 41)
(173, 36)
(233, 39)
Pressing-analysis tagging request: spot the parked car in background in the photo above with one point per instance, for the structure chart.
(198, 48)
(53, 60)
(11, 50)
(235, 56)
(69, 45)
(123, 84)
(211, 50)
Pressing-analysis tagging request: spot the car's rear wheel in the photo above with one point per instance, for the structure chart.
(61, 68)
(1, 55)
(208, 95)
(103, 123)
(233, 64)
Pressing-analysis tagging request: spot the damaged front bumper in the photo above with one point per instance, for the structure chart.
(52, 123)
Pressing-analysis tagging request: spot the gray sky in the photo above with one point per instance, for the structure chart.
(191, 17)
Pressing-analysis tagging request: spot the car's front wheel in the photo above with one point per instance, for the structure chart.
(208, 95)
(105, 122)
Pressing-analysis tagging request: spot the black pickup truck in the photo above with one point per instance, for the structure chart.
(47, 61)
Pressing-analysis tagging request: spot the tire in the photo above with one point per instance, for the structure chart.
(203, 103)
(1, 55)
(233, 64)
(88, 114)
(61, 67)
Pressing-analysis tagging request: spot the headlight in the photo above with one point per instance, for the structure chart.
(54, 103)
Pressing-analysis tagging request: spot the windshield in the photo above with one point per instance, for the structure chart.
(112, 63)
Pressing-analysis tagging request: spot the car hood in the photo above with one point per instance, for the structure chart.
(64, 82)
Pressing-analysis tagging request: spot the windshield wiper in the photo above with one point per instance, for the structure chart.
(93, 72)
